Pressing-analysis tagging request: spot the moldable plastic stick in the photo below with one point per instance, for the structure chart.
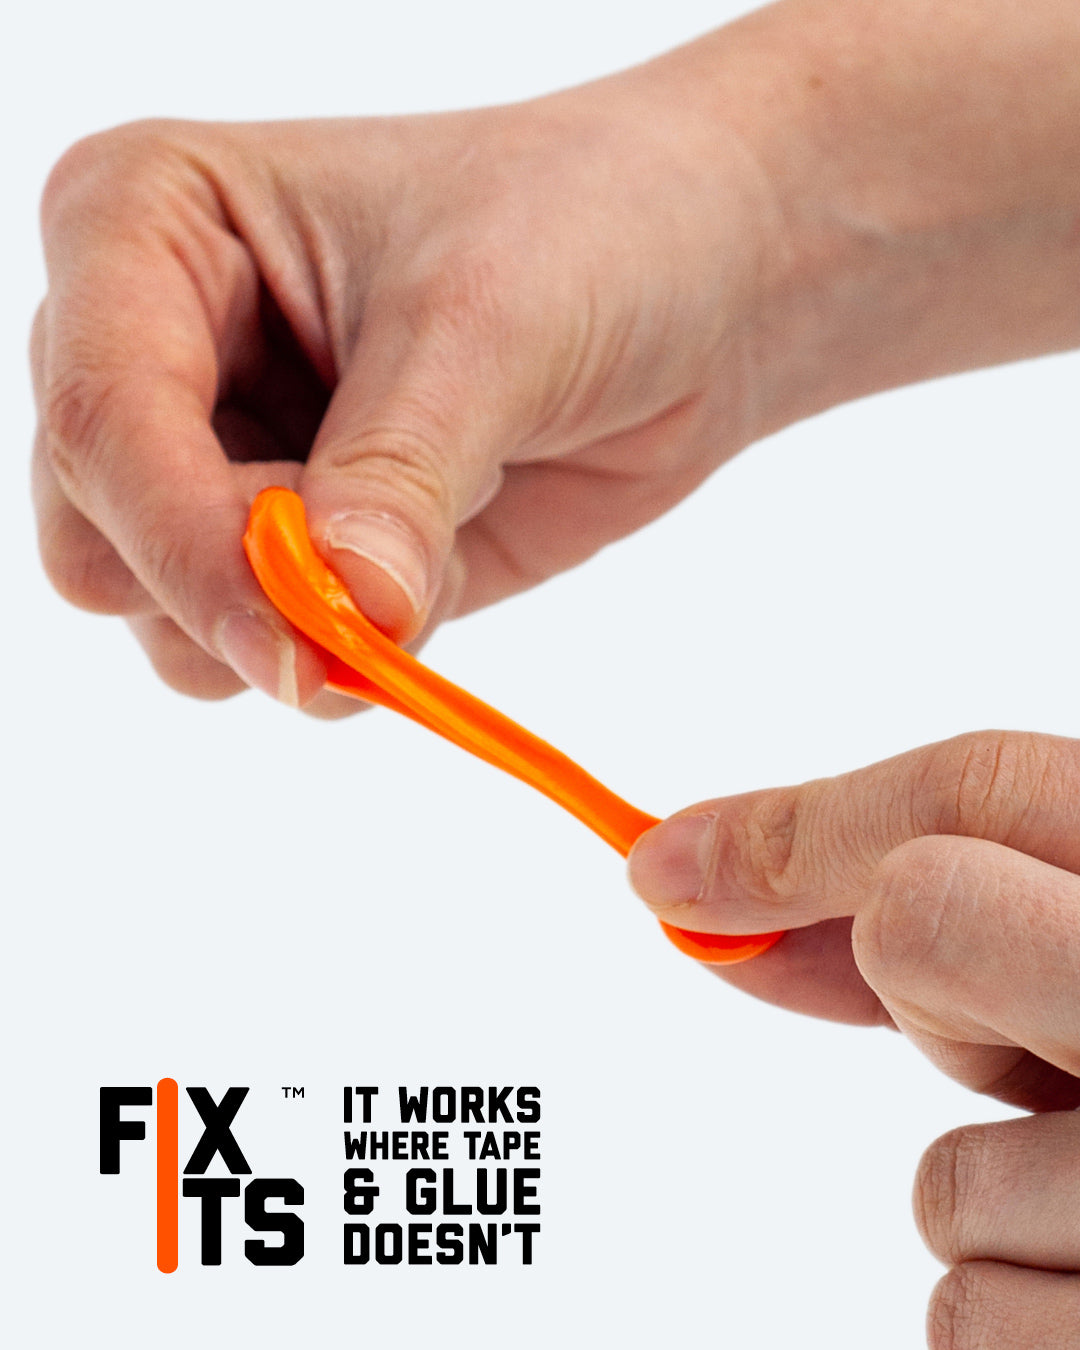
(364, 663)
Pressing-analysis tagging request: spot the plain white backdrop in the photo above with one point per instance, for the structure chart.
(231, 894)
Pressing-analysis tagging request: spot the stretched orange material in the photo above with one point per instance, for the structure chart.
(364, 663)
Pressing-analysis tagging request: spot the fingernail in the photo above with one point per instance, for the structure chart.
(669, 863)
(388, 544)
(262, 656)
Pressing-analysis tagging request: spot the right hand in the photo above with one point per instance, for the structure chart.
(481, 345)
(938, 892)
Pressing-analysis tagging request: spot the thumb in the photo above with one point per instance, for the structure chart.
(791, 857)
(410, 448)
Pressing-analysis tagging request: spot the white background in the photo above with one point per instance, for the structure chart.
(231, 894)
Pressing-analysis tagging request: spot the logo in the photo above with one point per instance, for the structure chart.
(216, 1140)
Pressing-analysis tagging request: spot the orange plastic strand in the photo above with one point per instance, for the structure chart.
(364, 663)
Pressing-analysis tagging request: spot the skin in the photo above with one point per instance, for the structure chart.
(482, 345)
(936, 892)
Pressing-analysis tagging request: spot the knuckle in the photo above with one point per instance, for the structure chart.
(397, 465)
(766, 852)
(951, 1178)
(166, 561)
(106, 161)
(963, 1312)
(949, 1317)
(88, 573)
(74, 413)
(69, 571)
(389, 453)
(183, 665)
(464, 293)
(899, 927)
(195, 675)
(182, 565)
(975, 779)
(36, 346)
(78, 162)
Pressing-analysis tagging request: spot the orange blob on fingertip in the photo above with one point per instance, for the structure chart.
(364, 663)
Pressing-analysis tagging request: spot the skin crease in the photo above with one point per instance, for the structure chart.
(938, 890)
(431, 329)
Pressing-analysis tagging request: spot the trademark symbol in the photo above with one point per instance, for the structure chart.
(290, 1092)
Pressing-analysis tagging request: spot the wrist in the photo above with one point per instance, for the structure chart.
(920, 174)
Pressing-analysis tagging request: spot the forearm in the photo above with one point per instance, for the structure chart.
(923, 168)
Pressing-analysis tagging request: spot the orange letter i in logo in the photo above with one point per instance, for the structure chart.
(168, 1176)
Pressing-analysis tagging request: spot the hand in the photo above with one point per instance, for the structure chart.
(483, 345)
(937, 891)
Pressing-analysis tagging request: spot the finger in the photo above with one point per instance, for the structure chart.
(87, 571)
(79, 561)
(1004, 1192)
(411, 443)
(790, 857)
(974, 949)
(129, 379)
(182, 664)
(986, 1305)
(811, 970)
(150, 475)
(327, 706)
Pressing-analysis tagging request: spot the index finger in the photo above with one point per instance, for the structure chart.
(975, 950)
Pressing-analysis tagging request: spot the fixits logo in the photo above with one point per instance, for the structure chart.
(217, 1139)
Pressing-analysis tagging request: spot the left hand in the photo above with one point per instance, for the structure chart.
(938, 892)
